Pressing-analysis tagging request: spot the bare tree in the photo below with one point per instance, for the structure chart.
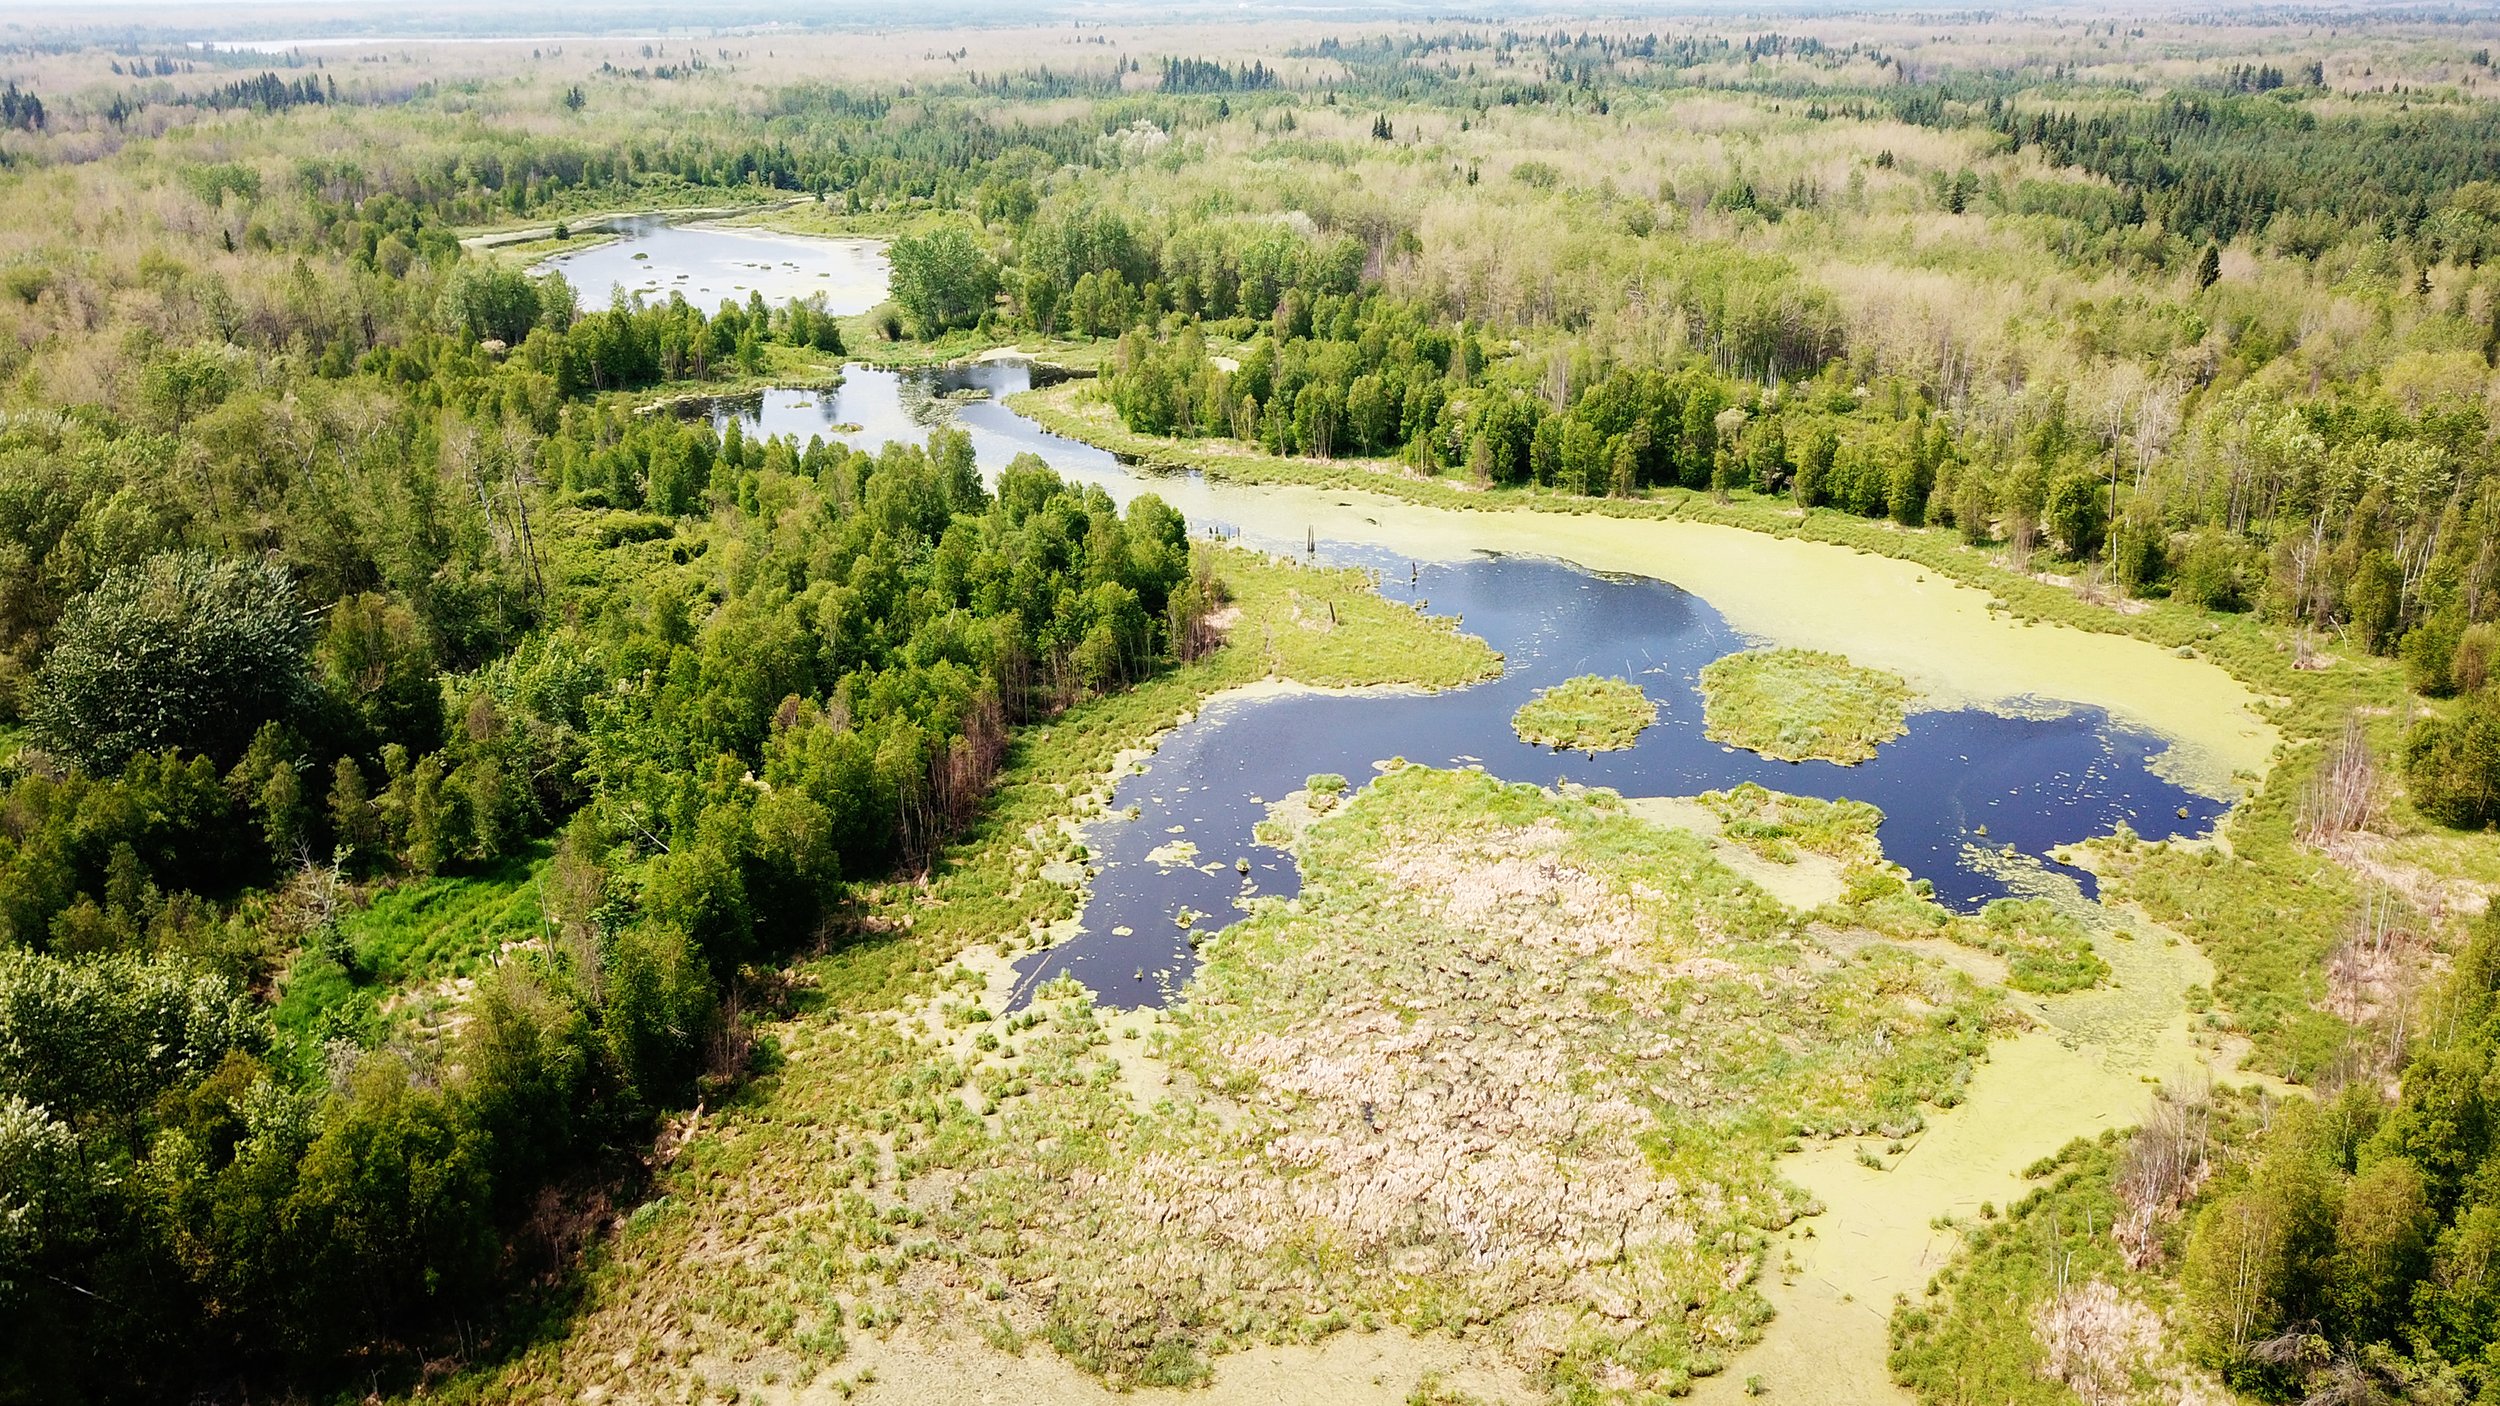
(2165, 1163)
(2344, 794)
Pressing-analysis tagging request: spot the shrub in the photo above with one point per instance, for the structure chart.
(2469, 664)
(2077, 513)
(373, 658)
(2212, 573)
(2452, 765)
(183, 651)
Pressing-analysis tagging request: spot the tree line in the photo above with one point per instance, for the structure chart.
(2353, 1251)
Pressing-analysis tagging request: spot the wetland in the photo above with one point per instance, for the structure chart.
(708, 263)
(1086, 709)
(1979, 792)
(1973, 782)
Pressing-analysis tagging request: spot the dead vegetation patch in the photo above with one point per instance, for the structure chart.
(1514, 1059)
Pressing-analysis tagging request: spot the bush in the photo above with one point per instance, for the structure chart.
(183, 651)
(2429, 652)
(2452, 765)
(2212, 573)
(2077, 513)
(2142, 552)
(374, 660)
(2470, 663)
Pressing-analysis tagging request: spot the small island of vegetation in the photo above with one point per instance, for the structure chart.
(1795, 705)
(1586, 714)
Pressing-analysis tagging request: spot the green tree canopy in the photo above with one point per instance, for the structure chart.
(491, 300)
(942, 279)
(2077, 513)
(2452, 765)
(184, 650)
(95, 1042)
(374, 659)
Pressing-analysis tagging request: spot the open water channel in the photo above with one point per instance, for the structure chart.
(1974, 799)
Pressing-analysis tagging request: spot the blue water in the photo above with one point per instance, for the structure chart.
(2034, 782)
(709, 264)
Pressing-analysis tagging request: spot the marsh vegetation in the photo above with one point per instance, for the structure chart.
(509, 889)
(1799, 705)
(1359, 1121)
(1586, 714)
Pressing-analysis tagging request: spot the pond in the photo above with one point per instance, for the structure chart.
(712, 263)
(1975, 799)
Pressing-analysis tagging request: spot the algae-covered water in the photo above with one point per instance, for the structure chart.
(2041, 734)
(1969, 783)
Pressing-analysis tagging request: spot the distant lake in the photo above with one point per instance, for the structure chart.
(709, 264)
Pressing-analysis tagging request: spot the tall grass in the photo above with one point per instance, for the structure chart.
(452, 924)
(1796, 705)
(1586, 714)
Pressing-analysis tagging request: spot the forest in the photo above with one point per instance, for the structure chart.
(435, 745)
